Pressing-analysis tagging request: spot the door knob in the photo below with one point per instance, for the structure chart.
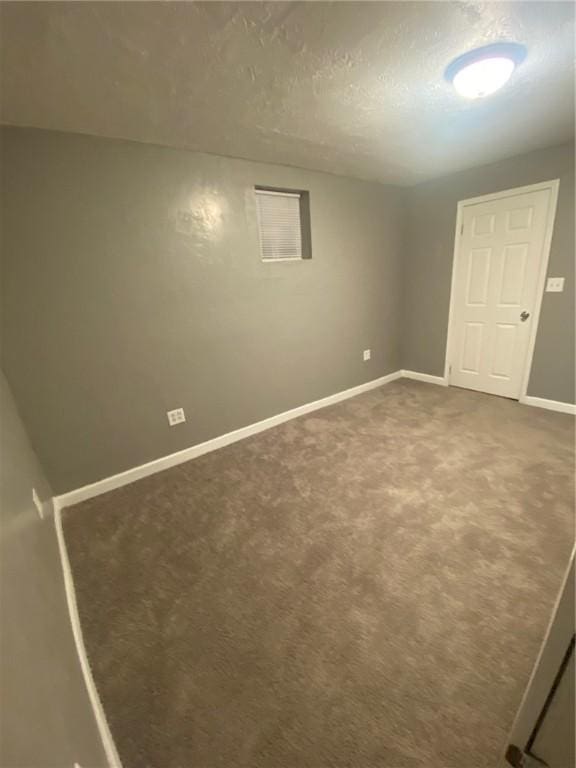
(524, 316)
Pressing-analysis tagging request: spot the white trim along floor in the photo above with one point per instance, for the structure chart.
(157, 465)
(144, 470)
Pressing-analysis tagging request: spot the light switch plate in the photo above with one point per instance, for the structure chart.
(555, 285)
(367, 355)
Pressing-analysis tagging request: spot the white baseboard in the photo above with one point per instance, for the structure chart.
(426, 377)
(173, 459)
(157, 465)
(101, 722)
(550, 405)
(152, 467)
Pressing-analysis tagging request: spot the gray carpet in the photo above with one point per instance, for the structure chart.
(366, 586)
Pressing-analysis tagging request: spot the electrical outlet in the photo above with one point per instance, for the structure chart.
(37, 503)
(176, 416)
(367, 354)
(555, 285)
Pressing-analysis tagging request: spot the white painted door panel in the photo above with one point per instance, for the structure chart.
(497, 269)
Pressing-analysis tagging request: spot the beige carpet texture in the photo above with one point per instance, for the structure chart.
(366, 586)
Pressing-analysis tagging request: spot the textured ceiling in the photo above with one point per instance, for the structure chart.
(352, 88)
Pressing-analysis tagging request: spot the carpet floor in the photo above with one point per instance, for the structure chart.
(366, 586)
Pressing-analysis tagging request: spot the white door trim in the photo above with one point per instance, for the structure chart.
(552, 185)
(556, 641)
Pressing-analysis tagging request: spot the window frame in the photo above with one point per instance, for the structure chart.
(304, 212)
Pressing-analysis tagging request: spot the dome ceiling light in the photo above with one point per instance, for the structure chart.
(485, 70)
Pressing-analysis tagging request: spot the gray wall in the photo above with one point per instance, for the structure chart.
(428, 267)
(46, 719)
(112, 317)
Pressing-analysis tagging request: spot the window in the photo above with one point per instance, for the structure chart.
(283, 224)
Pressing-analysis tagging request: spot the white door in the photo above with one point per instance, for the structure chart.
(497, 276)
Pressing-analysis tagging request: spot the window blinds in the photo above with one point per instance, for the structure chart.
(279, 225)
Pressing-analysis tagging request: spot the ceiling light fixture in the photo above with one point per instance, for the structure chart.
(485, 70)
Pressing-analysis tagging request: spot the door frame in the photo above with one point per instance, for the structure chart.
(557, 638)
(553, 186)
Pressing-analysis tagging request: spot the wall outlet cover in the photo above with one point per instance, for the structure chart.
(367, 354)
(554, 285)
(176, 416)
